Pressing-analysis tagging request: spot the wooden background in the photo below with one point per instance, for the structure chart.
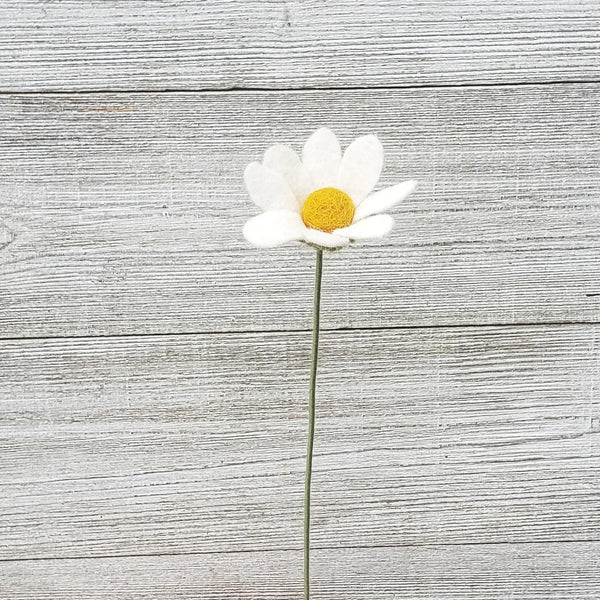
(153, 366)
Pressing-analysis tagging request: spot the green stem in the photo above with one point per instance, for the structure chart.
(311, 420)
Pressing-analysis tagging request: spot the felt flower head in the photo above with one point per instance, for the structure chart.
(325, 199)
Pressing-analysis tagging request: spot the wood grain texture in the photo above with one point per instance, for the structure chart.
(122, 214)
(558, 571)
(185, 444)
(224, 44)
(153, 367)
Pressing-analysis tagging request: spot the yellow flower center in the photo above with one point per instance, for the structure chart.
(328, 209)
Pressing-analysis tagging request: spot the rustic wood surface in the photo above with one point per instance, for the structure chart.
(153, 367)
(478, 434)
(555, 571)
(111, 196)
(225, 44)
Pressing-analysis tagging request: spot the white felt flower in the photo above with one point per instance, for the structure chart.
(324, 199)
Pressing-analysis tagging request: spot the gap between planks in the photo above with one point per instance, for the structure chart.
(296, 90)
(299, 549)
(226, 332)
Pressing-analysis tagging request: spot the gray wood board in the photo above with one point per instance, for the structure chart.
(224, 44)
(557, 571)
(122, 214)
(183, 444)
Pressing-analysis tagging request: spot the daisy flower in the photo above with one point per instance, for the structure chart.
(325, 199)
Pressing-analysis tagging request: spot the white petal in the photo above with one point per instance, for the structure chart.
(284, 160)
(268, 189)
(360, 167)
(322, 238)
(371, 227)
(273, 228)
(321, 157)
(383, 200)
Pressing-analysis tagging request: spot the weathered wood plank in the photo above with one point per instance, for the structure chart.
(558, 571)
(221, 44)
(178, 444)
(123, 213)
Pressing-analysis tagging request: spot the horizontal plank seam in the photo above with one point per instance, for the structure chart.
(251, 89)
(251, 332)
(187, 470)
(298, 549)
